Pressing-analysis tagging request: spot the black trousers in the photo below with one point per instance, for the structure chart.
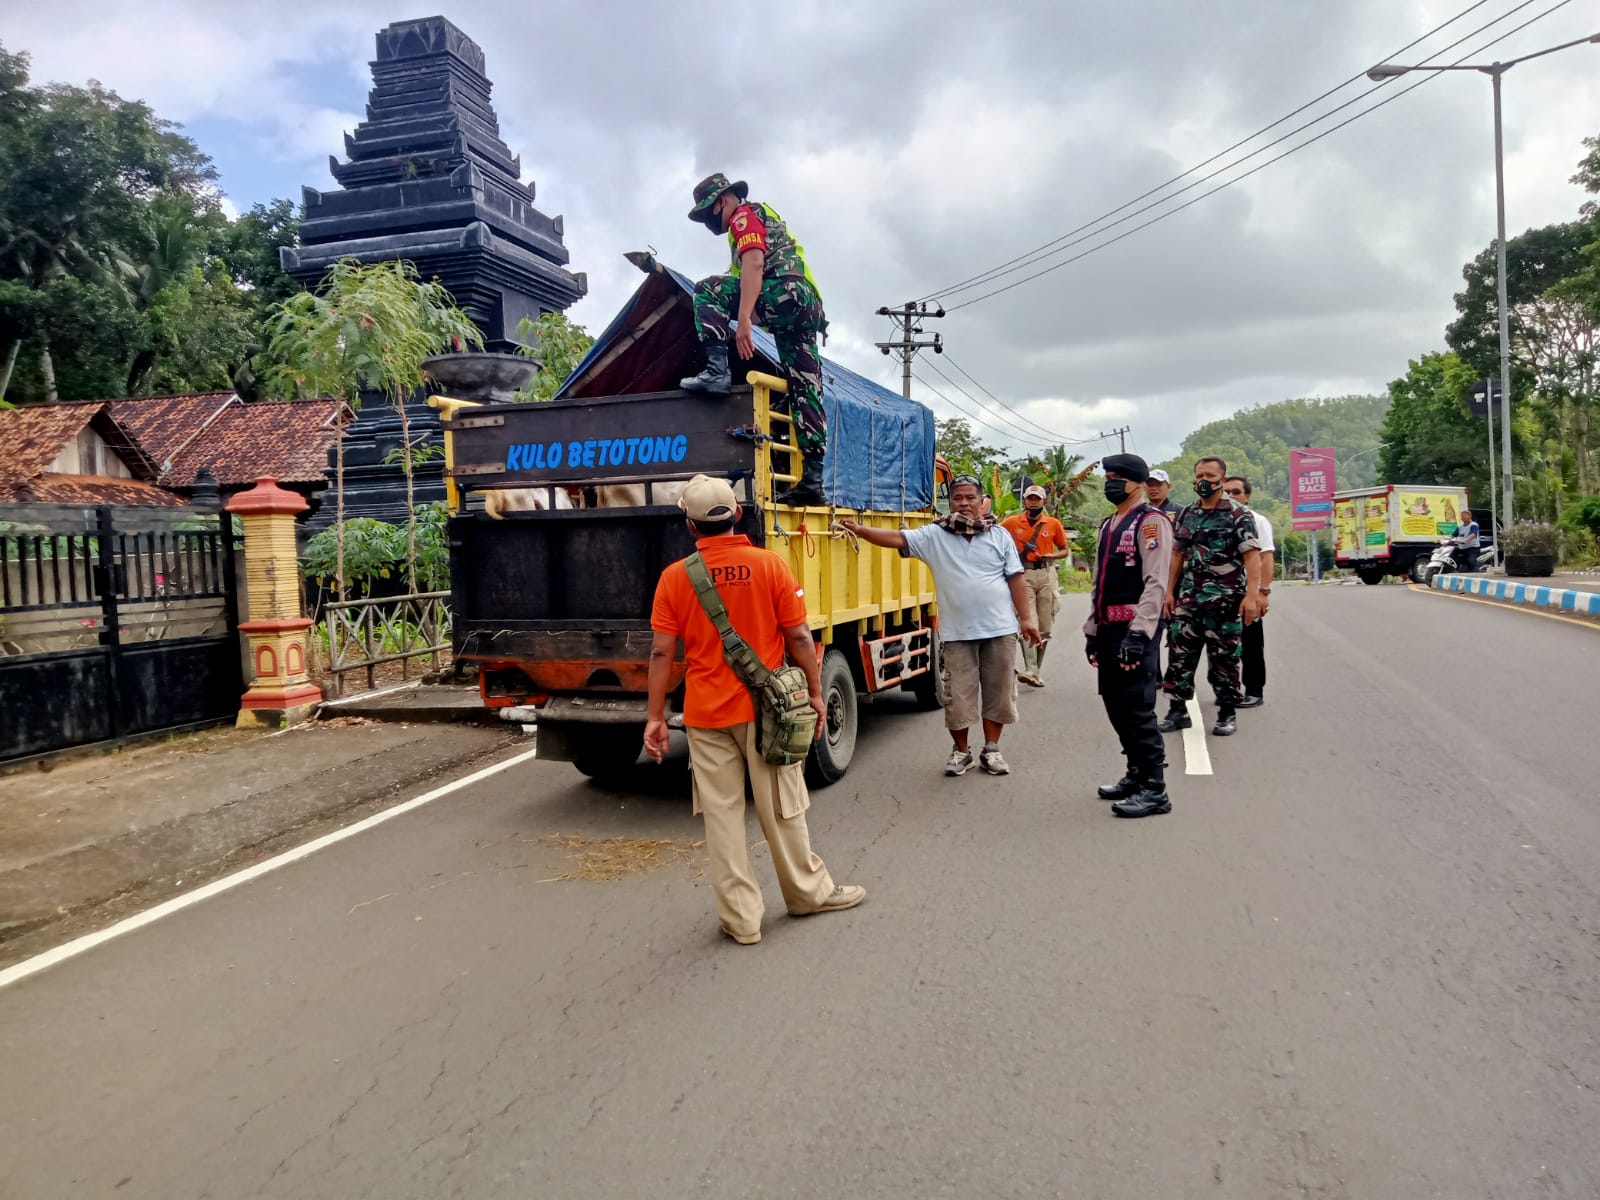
(1255, 659)
(1130, 700)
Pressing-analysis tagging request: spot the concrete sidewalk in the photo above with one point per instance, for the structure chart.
(94, 837)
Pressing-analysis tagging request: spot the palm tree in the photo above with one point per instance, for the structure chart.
(1065, 477)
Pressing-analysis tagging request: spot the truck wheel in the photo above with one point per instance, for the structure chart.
(1419, 570)
(928, 687)
(1372, 575)
(607, 751)
(836, 742)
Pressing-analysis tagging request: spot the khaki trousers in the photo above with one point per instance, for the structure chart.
(721, 759)
(1043, 588)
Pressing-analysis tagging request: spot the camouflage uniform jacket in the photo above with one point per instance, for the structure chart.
(757, 226)
(1213, 542)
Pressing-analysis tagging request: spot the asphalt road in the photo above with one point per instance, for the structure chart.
(1362, 959)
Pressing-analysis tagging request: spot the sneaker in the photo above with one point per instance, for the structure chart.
(991, 762)
(845, 895)
(744, 939)
(960, 762)
(1250, 702)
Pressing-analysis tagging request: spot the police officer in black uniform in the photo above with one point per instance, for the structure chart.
(1123, 633)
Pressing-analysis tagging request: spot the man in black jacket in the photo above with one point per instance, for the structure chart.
(1132, 563)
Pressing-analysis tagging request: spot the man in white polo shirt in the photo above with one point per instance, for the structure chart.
(983, 606)
(1253, 670)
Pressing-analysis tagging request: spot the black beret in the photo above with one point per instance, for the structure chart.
(1129, 466)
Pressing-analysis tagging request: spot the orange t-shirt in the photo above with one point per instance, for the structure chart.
(1052, 535)
(762, 597)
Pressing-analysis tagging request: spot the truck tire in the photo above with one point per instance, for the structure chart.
(928, 688)
(1419, 570)
(1370, 575)
(607, 751)
(836, 742)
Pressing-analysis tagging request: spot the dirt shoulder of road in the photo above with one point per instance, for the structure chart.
(93, 838)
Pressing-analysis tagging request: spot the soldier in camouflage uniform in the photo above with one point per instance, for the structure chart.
(768, 284)
(1215, 591)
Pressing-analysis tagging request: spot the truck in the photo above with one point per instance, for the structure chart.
(551, 603)
(1393, 528)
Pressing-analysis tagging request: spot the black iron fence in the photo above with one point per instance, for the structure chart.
(114, 623)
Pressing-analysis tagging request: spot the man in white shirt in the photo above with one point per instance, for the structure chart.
(1254, 669)
(983, 607)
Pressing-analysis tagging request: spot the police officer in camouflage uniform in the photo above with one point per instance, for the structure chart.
(770, 284)
(1215, 591)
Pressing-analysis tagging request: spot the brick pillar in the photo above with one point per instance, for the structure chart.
(282, 693)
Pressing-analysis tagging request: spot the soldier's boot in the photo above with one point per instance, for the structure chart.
(716, 378)
(1122, 789)
(809, 489)
(1177, 718)
(1226, 724)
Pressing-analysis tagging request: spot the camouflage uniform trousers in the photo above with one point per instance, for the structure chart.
(1212, 624)
(791, 311)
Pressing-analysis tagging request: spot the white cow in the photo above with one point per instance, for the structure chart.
(500, 501)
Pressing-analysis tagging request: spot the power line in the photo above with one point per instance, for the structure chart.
(1052, 437)
(908, 321)
(1259, 167)
(978, 419)
(1056, 437)
(1044, 251)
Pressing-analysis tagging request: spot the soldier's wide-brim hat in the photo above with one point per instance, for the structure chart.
(709, 188)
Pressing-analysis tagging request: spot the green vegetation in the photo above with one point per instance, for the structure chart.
(119, 273)
(559, 345)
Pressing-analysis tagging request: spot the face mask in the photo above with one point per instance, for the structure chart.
(1035, 515)
(1205, 488)
(1116, 490)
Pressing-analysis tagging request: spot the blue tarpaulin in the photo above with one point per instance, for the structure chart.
(880, 445)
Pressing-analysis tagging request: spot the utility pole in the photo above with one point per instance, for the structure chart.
(1122, 437)
(909, 318)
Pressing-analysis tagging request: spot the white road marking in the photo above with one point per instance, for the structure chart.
(1196, 758)
(89, 941)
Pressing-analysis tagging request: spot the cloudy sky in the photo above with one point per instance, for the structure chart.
(913, 144)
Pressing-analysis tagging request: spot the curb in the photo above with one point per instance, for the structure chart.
(1560, 599)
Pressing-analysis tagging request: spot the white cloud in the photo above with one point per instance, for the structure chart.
(911, 143)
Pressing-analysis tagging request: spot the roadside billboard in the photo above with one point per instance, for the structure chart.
(1311, 486)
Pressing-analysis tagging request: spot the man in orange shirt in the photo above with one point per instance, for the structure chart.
(766, 607)
(1041, 541)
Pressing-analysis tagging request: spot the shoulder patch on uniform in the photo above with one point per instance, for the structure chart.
(741, 220)
(1149, 529)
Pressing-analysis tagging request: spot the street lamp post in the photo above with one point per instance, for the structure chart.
(1385, 71)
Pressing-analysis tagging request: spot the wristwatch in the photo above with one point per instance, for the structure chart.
(1266, 591)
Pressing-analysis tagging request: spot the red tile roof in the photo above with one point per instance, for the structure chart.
(31, 436)
(239, 442)
(52, 488)
(287, 440)
(162, 424)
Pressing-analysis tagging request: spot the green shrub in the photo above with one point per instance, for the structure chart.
(1583, 515)
(1579, 548)
(1530, 538)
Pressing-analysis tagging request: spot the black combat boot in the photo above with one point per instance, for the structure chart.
(716, 378)
(1120, 790)
(809, 489)
(1150, 801)
(1226, 724)
(1177, 718)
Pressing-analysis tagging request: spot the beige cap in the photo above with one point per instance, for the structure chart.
(709, 499)
(1035, 490)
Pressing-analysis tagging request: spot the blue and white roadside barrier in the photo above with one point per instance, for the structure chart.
(1564, 599)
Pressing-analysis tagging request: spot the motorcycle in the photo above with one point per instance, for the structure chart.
(1445, 559)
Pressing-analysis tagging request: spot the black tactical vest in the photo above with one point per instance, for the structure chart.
(1119, 565)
